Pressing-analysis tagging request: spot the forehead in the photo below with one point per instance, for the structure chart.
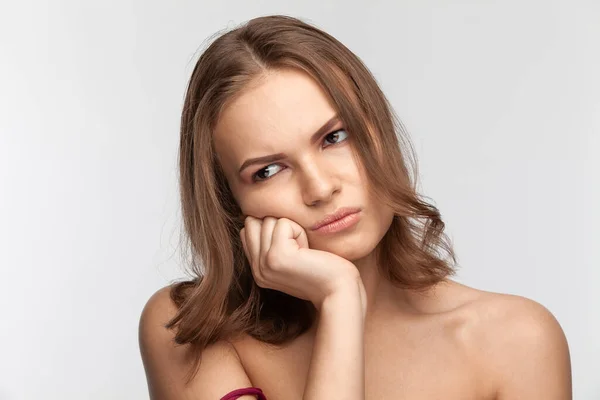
(281, 109)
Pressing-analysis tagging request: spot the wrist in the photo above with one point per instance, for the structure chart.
(348, 296)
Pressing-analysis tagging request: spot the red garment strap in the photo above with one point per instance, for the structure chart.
(241, 392)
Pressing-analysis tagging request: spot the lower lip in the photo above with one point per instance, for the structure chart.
(341, 224)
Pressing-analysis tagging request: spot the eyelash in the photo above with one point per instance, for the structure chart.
(254, 176)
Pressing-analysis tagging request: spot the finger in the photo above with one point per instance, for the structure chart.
(300, 236)
(253, 228)
(243, 240)
(266, 235)
(287, 230)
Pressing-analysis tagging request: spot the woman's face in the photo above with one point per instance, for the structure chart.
(315, 174)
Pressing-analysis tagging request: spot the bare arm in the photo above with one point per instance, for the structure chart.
(336, 368)
(166, 364)
(337, 363)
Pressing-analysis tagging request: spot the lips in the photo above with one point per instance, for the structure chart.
(338, 214)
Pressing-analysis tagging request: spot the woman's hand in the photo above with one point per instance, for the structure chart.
(278, 251)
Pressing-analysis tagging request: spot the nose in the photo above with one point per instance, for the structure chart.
(319, 183)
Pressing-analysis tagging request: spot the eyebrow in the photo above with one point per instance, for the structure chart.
(280, 156)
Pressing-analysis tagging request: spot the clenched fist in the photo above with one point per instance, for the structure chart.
(278, 252)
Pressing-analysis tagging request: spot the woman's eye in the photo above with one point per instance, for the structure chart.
(336, 133)
(259, 175)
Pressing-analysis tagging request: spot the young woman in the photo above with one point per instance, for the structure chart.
(320, 272)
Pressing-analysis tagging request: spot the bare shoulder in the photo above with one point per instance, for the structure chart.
(515, 319)
(520, 344)
(167, 364)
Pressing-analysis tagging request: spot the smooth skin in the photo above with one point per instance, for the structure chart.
(371, 340)
(281, 259)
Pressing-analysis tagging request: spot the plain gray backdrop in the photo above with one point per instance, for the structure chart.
(502, 100)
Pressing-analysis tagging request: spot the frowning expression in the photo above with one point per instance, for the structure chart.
(286, 153)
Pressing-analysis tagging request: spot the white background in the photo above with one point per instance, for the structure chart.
(502, 100)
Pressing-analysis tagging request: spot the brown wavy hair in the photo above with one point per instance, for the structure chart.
(222, 300)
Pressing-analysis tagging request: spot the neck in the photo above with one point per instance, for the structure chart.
(380, 291)
(384, 299)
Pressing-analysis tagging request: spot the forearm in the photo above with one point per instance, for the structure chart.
(337, 365)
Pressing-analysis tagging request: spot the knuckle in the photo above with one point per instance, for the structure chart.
(283, 220)
(273, 261)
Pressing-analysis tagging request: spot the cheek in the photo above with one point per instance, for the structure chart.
(267, 203)
(354, 167)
